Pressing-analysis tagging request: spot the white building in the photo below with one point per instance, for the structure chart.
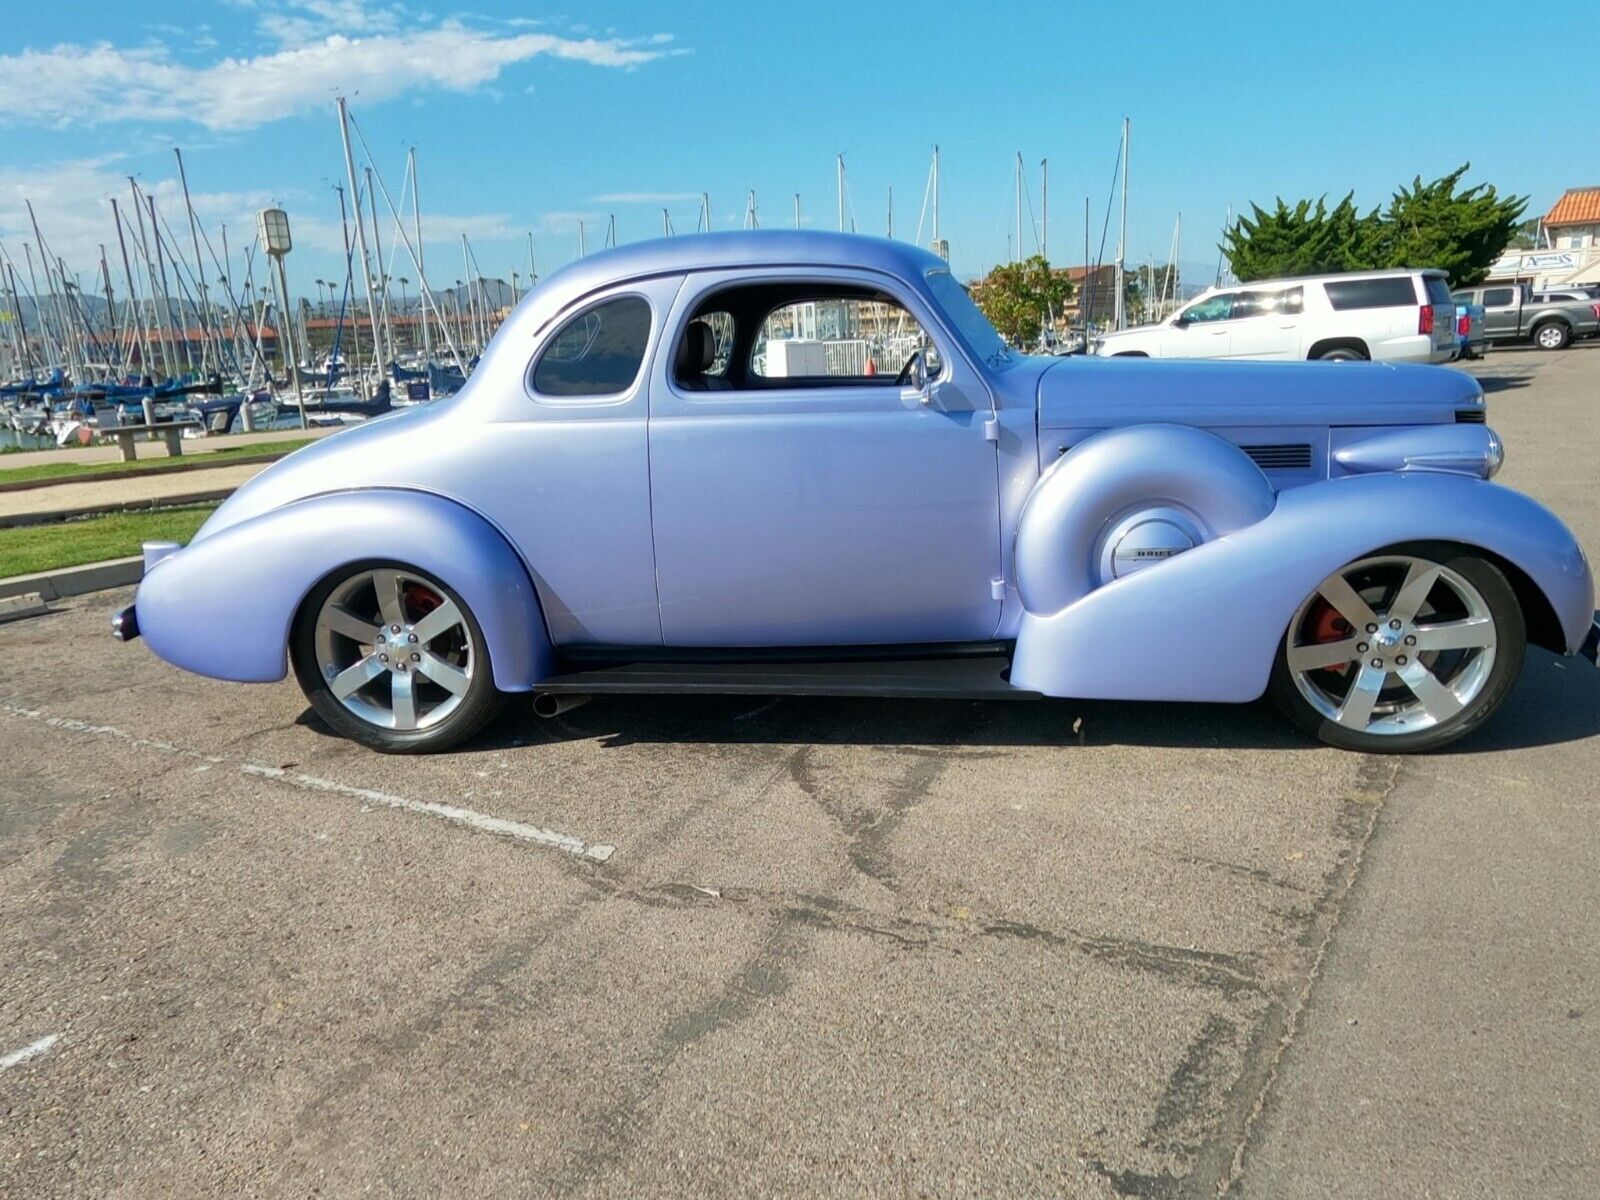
(1570, 232)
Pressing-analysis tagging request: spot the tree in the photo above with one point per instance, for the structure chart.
(1018, 298)
(1433, 225)
(1303, 240)
(1424, 225)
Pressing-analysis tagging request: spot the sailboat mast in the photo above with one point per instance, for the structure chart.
(1122, 236)
(1044, 206)
(383, 271)
(141, 332)
(936, 195)
(199, 265)
(422, 275)
(361, 236)
(841, 193)
(1018, 189)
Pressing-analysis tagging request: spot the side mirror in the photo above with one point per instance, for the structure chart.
(917, 378)
(1180, 322)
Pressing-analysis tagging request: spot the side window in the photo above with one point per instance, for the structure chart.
(597, 352)
(1212, 308)
(1268, 304)
(1501, 297)
(866, 340)
(1397, 291)
(1462, 298)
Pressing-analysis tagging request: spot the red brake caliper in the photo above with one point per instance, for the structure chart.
(420, 601)
(1324, 624)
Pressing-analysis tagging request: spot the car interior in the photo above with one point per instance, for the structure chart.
(722, 345)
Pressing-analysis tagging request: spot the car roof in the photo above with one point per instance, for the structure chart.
(1380, 273)
(743, 248)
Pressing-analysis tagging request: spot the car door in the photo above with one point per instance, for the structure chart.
(1266, 324)
(1204, 329)
(800, 494)
(1500, 311)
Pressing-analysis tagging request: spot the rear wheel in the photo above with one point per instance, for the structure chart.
(1402, 652)
(1552, 335)
(394, 659)
(1341, 354)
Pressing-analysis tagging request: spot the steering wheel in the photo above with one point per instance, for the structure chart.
(905, 371)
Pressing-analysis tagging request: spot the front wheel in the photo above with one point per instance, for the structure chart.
(394, 659)
(1402, 652)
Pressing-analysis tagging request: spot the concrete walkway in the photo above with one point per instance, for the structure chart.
(205, 445)
(68, 499)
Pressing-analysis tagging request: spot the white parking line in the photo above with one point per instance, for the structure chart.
(594, 851)
(597, 852)
(17, 1057)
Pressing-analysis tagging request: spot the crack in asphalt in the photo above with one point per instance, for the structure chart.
(1219, 1160)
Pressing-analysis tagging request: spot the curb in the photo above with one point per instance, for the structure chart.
(16, 521)
(75, 581)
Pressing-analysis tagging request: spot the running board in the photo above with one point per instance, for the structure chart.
(948, 677)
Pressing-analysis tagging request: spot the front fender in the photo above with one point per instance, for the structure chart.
(224, 606)
(1206, 624)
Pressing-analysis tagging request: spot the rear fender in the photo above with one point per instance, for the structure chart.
(1206, 624)
(224, 606)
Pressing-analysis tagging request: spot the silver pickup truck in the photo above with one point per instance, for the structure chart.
(1511, 314)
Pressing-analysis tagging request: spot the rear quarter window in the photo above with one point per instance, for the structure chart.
(1438, 291)
(597, 352)
(1395, 292)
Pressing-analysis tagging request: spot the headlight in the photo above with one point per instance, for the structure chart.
(1495, 456)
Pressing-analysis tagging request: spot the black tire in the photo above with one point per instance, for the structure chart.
(1341, 354)
(1510, 645)
(478, 704)
(1552, 335)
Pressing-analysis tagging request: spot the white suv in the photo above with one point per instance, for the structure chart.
(1386, 316)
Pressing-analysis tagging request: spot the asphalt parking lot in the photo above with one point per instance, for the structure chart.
(792, 948)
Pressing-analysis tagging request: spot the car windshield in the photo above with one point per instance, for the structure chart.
(970, 324)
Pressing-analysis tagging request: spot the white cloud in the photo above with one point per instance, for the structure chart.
(71, 85)
(72, 202)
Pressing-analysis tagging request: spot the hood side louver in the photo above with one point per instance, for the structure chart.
(1291, 457)
(1472, 416)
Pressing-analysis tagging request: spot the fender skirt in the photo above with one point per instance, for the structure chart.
(1206, 624)
(224, 606)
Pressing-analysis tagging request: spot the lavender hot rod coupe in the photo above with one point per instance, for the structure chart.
(805, 463)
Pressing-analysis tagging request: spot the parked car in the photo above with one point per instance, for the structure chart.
(1511, 314)
(1386, 316)
(1470, 333)
(632, 495)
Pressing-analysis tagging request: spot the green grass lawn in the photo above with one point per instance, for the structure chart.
(31, 548)
(70, 472)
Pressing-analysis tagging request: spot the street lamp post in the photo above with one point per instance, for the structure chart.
(273, 225)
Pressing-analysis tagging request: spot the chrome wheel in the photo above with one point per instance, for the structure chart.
(1551, 336)
(393, 649)
(1392, 645)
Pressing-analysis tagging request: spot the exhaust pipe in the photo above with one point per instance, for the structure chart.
(553, 704)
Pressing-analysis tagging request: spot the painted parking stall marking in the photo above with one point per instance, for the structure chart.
(31, 1051)
(533, 835)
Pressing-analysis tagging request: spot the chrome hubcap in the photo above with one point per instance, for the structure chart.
(1392, 645)
(1549, 337)
(394, 649)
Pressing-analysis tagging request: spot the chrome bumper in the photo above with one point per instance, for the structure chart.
(125, 624)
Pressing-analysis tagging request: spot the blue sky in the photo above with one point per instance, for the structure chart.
(531, 117)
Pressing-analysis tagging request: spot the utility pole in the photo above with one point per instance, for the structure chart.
(274, 226)
(361, 236)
